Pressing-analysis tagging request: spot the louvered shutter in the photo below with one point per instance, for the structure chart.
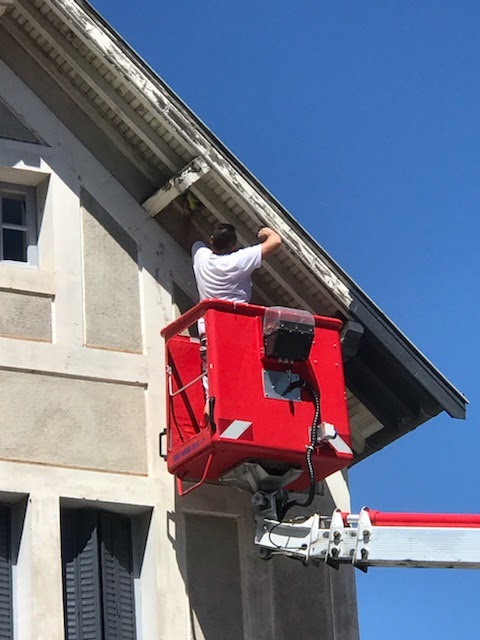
(6, 615)
(117, 577)
(81, 579)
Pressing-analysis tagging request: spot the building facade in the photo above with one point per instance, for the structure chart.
(94, 173)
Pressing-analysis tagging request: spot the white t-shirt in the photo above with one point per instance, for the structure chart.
(228, 276)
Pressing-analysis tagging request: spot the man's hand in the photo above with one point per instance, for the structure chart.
(270, 241)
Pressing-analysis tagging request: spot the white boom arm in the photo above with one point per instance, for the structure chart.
(375, 539)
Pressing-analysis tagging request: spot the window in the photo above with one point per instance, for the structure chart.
(98, 586)
(18, 224)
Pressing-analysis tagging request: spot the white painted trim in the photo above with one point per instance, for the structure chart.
(67, 257)
(45, 549)
(26, 279)
(85, 103)
(78, 484)
(93, 78)
(177, 185)
(71, 361)
(18, 175)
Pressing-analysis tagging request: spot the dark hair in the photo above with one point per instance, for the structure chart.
(224, 238)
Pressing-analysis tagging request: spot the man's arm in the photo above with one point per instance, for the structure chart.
(190, 233)
(270, 241)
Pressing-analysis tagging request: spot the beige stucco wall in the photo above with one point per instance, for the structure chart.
(25, 315)
(78, 423)
(111, 280)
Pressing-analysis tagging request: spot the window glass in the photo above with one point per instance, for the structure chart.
(13, 210)
(18, 224)
(14, 245)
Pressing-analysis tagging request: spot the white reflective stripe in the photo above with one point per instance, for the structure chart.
(235, 429)
(340, 445)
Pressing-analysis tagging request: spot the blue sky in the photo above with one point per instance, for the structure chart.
(363, 119)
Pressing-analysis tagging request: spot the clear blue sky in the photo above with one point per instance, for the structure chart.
(363, 119)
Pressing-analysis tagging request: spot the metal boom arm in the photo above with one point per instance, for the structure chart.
(375, 539)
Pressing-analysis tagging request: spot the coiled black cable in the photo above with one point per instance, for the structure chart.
(303, 384)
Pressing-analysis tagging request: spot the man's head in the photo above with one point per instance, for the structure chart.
(223, 238)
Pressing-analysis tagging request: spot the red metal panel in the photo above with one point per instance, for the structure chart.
(250, 426)
(185, 408)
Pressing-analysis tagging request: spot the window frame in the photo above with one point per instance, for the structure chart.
(28, 194)
(91, 556)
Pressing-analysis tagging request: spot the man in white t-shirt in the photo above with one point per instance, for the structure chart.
(224, 272)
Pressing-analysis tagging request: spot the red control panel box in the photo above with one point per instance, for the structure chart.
(263, 405)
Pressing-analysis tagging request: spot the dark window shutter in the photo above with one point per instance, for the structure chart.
(117, 577)
(6, 614)
(81, 580)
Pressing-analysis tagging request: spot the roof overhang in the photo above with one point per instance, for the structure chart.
(392, 387)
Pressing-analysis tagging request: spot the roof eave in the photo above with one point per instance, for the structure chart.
(348, 295)
(320, 268)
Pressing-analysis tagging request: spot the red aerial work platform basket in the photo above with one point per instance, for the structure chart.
(262, 380)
